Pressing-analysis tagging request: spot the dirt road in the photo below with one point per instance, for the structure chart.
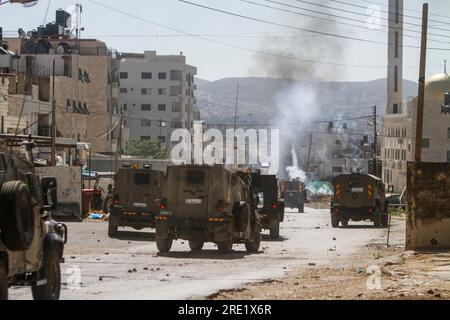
(129, 267)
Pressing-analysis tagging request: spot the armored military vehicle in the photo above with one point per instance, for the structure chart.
(31, 242)
(207, 204)
(293, 193)
(358, 197)
(134, 198)
(268, 202)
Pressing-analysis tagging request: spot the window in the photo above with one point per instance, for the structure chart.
(176, 107)
(146, 91)
(338, 142)
(448, 156)
(2, 162)
(123, 75)
(125, 107)
(176, 75)
(162, 92)
(395, 108)
(146, 107)
(162, 75)
(146, 123)
(448, 133)
(195, 176)
(396, 78)
(146, 75)
(425, 143)
(68, 104)
(396, 44)
(397, 11)
(161, 107)
(142, 179)
(123, 90)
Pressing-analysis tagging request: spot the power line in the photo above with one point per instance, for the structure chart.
(296, 28)
(364, 15)
(337, 16)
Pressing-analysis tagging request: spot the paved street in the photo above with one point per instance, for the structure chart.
(130, 268)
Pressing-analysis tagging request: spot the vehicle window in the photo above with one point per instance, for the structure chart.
(142, 178)
(2, 163)
(195, 177)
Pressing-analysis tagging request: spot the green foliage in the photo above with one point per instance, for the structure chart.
(145, 149)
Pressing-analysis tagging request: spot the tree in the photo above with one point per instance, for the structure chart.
(145, 148)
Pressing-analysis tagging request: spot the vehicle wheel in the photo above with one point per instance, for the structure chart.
(51, 271)
(106, 205)
(3, 283)
(275, 230)
(384, 220)
(334, 221)
(196, 245)
(16, 216)
(253, 245)
(164, 245)
(113, 226)
(301, 208)
(225, 247)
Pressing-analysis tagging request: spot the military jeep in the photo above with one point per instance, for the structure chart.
(268, 202)
(359, 197)
(31, 242)
(294, 194)
(134, 199)
(207, 204)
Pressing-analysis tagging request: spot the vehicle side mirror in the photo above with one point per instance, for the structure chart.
(49, 192)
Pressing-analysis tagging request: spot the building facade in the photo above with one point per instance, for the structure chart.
(157, 95)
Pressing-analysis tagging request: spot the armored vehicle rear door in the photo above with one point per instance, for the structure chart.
(138, 189)
(351, 191)
(269, 189)
(193, 193)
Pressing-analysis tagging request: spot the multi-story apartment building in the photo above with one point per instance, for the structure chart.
(157, 95)
(86, 88)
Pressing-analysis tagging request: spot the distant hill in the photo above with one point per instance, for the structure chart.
(258, 98)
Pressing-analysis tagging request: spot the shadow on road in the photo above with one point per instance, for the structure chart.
(266, 238)
(207, 254)
(135, 236)
(360, 227)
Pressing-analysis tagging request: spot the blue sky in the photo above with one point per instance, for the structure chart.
(216, 61)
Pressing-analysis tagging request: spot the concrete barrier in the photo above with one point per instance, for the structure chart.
(428, 206)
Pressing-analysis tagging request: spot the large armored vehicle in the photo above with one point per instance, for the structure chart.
(268, 202)
(358, 197)
(134, 199)
(207, 204)
(294, 194)
(31, 243)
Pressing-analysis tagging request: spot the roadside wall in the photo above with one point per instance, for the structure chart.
(428, 206)
(69, 189)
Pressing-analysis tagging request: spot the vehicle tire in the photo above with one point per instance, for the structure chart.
(16, 216)
(164, 245)
(334, 221)
(385, 220)
(275, 230)
(3, 282)
(253, 245)
(106, 205)
(301, 208)
(225, 247)
(113, 226)
(51, 271)
(196, 245)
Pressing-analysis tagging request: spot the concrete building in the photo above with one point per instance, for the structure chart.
(157, 95)
(399, 133)
(86, 87)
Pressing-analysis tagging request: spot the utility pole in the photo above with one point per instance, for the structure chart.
(53, 149)
(309, 155)
(236, 107)
(375, 142)
(421, 96)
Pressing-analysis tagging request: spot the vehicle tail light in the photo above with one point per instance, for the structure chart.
(336, 210)
(275, 205)
(220, 206)
(163, 204)
(116, 200)
(370, 211)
